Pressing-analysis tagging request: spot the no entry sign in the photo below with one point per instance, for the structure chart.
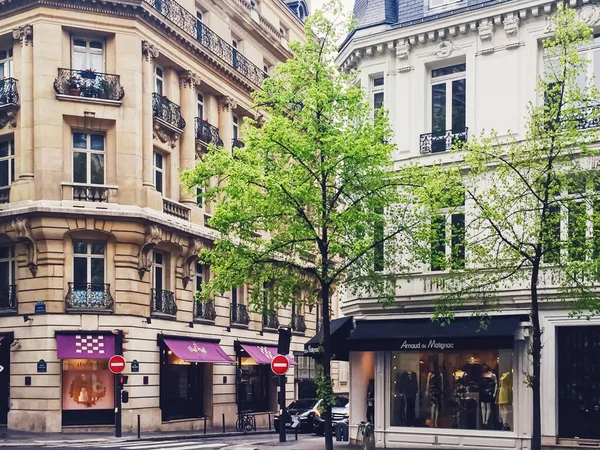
(280, 365)
(116, 364)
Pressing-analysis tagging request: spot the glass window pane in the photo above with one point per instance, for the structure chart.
(158, 258)
(96, 62)
(158, 278)
(98, 248)
(159, 160)
(448, 70)
(438, 108)
(4, 150)
(97, 269)
(159, 181)
(79, 60)
(459, 106)
(458, 241)
(4, 252)
(79, 44)
(378, 100)
(96, 45)
(79, 167)
(438, 243)
(4, 170)
(80, 270)
(79, 140)
(5, 278)
(577, 227)
(97, 141)
(378, 81)
(80, 247)
(597, 68)
(97, 168)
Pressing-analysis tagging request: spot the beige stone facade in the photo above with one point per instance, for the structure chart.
(101, 105)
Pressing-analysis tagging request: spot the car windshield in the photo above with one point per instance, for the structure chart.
(306, 403)
(340, 402)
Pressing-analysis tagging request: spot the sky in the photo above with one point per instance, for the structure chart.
(317, 4)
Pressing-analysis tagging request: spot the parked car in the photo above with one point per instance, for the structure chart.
(340, 413)
(305, 409)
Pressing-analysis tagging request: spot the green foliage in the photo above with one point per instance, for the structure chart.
(324, 389)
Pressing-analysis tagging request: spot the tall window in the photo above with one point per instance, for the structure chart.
(159, 172)
(378, 235)
(234, 44)
(378, 92)
(7, 266)
(6, 63)
(199, 19)
(88, 54)
(199, 199)
(199, 276)
(88, 158)
(592, 54)
(7, 163)
(448, 104)
(88, 272)
(236, 126)
(159, 271)
(448, 238)
(200, 104)
(158, 80)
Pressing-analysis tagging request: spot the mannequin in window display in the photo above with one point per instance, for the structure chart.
(487, 393)
(460, 393)
(371, 401)
(409, 388)
(505, 393)
(435, 387)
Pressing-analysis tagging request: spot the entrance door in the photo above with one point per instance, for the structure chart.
(4, 379)
(578, 350)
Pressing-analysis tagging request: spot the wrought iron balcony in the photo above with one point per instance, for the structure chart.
(167, 111)
(8, 298)
(162, 303)
(588, 117)
(236, 143)
(239, 314)
(90, 194)
(441, 141)
(9, 95)
(207, 133)
(298, 323)
(4, 194)
(208, 39)
(89, 84)
(204, 311)
(93, 296)
(176, 210)
(270, 320)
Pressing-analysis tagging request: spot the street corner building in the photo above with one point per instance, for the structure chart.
(101, 104)
(446, 70)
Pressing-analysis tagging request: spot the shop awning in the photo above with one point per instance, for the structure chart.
(264, 355)
(340, 330)
(193, 350)
(85, 345)
(423, 334)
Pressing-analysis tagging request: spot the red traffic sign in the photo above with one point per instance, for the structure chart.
(280, 365)
(116, 364)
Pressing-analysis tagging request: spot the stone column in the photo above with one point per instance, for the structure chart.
(226, 106)
(149, 52)
(188, 81)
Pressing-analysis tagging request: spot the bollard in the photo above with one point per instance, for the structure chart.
(139, 426)
(223, 423)
(338, 432)
(269, 414)
(296, 430)
(204, 424)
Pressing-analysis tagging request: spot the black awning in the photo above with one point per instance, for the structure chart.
(423, 334)
(340, 330)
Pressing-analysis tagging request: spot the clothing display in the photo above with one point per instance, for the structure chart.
(371, 401)
(409, 388)
(435, 386)
(487, 388)
(506, 389)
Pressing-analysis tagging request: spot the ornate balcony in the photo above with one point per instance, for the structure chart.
(175, 209)
(239, 314)
(208, 39)
(167, 111)
(236, 143)
(589, 117)
(89, 84)
(9, 101)
(204, 311)
(298, 324)
(8, 298)
(89, 296)
(90, 194)
(270, 320)
(441, 141)
(162, 303)
(4, 194)
(207, 133)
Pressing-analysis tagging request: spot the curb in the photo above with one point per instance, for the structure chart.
(197, 436)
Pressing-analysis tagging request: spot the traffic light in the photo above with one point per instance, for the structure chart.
(122, 380)
(124, 397)
(283, 345)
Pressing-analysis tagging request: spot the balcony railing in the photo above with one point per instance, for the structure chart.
(207, 133)
(298, 323)
(239, 314)
(208, 38)
(90, 194)
(4, 194)
(270, 320)
(89, 84)
(441, 141)
(205, 311)
(236, 143)
(176, 210)
(163, 302)
(94, 296)
(589, 117)
(8, 92)
(8, 298)
(166, 110)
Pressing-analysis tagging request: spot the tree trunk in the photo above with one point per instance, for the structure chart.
(325, 291)
(536, 357)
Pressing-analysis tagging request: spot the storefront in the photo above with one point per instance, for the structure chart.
(256, 383)
(88, 391)
(186, 375)
(423, 383)
(5, 340)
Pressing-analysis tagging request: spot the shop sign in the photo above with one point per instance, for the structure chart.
(427, 344)
(135, 366)
(42, 366)
(40, 307)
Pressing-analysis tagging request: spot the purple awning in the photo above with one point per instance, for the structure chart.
(85, 345)
(264, 355)
(198, 351)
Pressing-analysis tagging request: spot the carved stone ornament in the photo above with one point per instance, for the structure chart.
(22, 228)
(24, 34)
(444, 50)
(8, 117)
(402, 50)
(189, 79)
(486, 32)
(190, 257)
(227, 104)
(149, 51)
(511, 26)
(151, 239)
(165, 135)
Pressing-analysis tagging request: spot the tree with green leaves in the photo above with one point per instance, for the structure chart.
(533, 204)
(300, 208)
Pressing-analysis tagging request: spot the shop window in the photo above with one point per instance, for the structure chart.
(88, 158)
(159, 172)
(88, 54)
(89, 273)
(460, 389)
(6, 63)
(255, 385)
(7, 162)
(159, 80)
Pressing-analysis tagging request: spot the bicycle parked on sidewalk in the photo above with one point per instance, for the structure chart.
(245, 423)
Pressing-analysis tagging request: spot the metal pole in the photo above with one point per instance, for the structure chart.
(223, 423)
(118, 387)
(269, 414)
(205, 424)
(139, 426)
(283, 416)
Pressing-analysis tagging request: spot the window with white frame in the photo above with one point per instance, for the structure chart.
(236, 126)
(199, 199)
(199, 24)
(377, 90)
(448, 237)
(200, 106)
(159, 172)
(88, 54)
(6, 63)
(8, 265)
(89, 273)
(7, 162)
(88, 158)
(159, 80)
(159, 271)
(448, 106)
(199, 276)
(235, 56)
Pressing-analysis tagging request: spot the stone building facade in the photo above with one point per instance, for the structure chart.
(101, 105)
